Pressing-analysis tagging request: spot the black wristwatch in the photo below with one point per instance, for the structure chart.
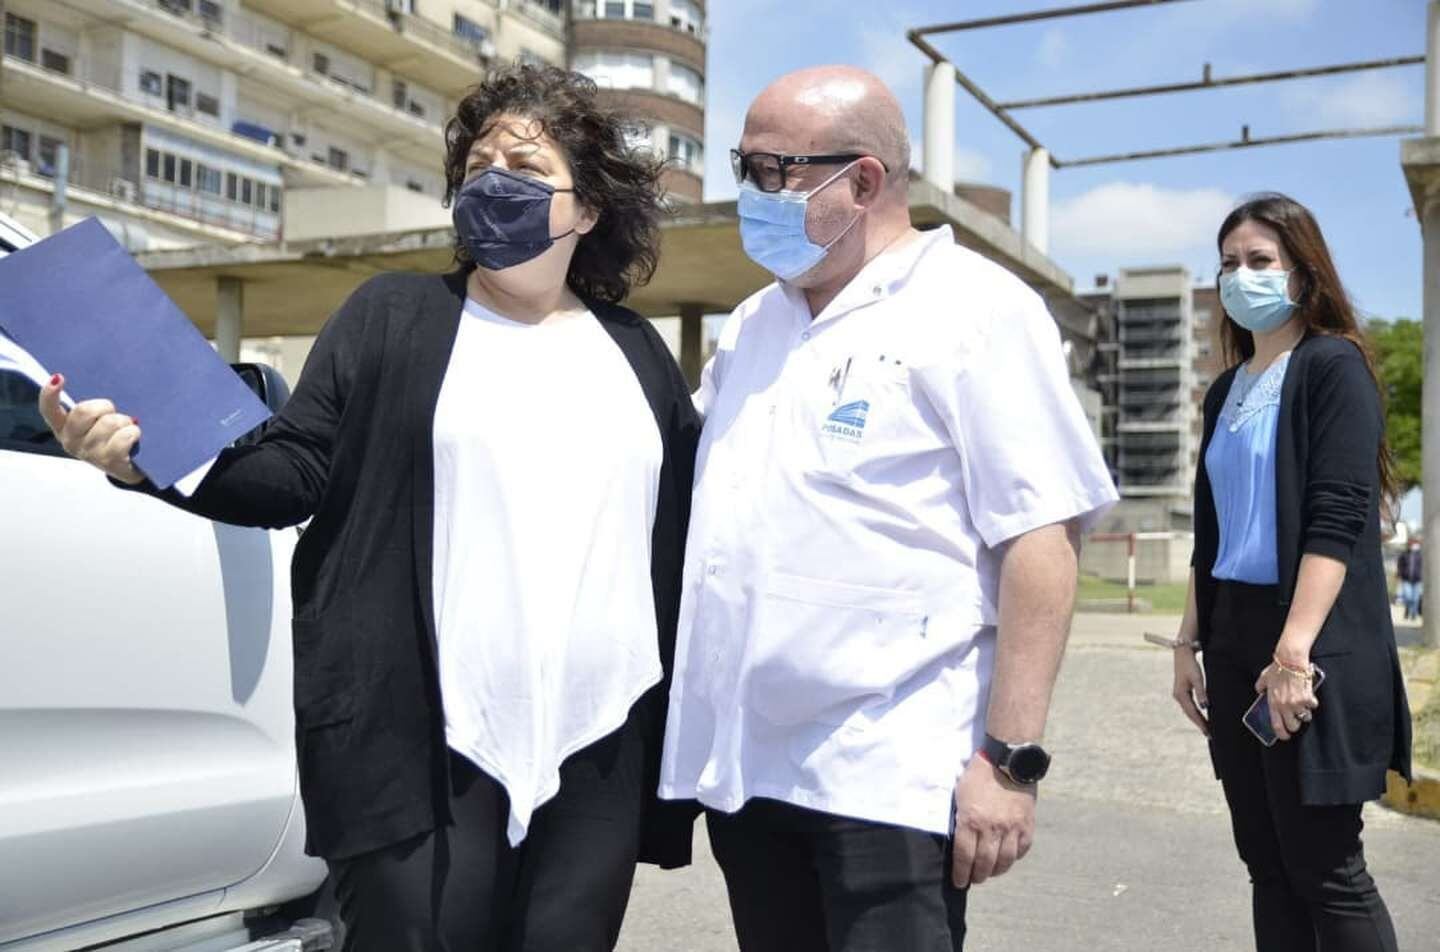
(1022, 763)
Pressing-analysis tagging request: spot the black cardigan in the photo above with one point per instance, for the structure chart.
(1327, 487)
(352, 451)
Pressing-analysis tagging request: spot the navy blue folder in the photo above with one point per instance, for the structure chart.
(83, 307)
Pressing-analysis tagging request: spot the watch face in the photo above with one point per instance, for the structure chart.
(1029, 763)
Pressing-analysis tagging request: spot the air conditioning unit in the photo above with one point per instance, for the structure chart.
(123, 189)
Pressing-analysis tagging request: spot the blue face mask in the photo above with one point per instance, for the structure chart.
(772, 229)
(1258, 301)
(503, 219)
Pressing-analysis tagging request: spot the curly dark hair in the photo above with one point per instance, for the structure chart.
(620, 184)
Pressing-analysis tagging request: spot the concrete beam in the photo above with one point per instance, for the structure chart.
(1421, 161)
(1035, 200)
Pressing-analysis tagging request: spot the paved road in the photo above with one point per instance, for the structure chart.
(1133, 851)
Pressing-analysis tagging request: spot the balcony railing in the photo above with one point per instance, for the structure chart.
(107, 183)
(242, 32)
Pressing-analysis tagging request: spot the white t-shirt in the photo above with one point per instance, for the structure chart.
(547, 466)
(858, 475)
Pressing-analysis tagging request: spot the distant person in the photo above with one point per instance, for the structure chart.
(1410, 572)
(1288, 579)
(892, 482)
(496, 466)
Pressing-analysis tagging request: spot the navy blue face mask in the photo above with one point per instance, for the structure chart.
(504, 219)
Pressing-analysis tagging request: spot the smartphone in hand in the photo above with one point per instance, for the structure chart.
(1257, 718)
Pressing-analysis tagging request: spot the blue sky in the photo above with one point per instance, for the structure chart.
(1139, 213)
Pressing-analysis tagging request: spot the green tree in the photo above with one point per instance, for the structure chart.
(1400, 354)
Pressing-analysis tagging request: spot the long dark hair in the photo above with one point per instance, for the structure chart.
(620, 184)
(1321, 303)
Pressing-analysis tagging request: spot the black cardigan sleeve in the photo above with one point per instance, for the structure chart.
(278, 480)
(1345, 424)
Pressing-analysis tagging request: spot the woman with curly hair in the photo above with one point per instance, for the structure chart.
(1288, 598)
(496, 466)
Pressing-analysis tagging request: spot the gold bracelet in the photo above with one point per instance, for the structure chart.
(1305, 674)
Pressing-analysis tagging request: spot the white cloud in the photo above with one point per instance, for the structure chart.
(1054, 49)
(1130, 219)
(1366, 99)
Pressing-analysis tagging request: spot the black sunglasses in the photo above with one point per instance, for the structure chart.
(768, 170)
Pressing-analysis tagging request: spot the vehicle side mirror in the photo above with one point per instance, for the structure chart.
(267, 384)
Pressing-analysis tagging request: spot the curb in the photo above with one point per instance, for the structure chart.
(1421, 798)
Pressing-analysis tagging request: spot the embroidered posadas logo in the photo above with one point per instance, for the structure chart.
(847, 422)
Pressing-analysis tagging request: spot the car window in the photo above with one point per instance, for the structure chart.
(21, 426)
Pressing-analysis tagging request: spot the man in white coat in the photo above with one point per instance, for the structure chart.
(892, 482)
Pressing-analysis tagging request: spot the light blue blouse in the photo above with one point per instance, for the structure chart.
(1241, 465)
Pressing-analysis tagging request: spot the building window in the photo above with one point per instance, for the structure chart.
(614, 9)
(152, 163)
(262, 196)
(247, 191)
(208, 180)
(399, 94)
(338, 159)
(321, 63)
(177, 93)
(55, 62)
(687, 152)
(275, 198)
(686, 83)
(19, 37)
(1202, 317)
(617, 70)
(232, 186)
(639, 136)
(211, 11)
(187, 173)
(167, 168)
(685, 15)
(152, 83)
(530, 58)
(470, 31)
(207, 104)
(415, 186)
(47, 159)
(15, 140)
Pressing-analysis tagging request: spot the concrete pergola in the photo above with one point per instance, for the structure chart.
(1420, 158)
(237, 291)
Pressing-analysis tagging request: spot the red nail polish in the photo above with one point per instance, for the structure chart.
(134, 421)
(54, 380)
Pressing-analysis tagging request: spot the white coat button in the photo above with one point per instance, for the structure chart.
(877, 290)
(805, 336)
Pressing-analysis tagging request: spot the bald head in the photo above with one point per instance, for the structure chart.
(832, 109)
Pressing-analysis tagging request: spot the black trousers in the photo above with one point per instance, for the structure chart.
(1311, 891)
(802, 881)
(462, 888)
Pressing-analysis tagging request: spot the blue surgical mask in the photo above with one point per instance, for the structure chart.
(1258, 301)
(503, 219)
(772, 229)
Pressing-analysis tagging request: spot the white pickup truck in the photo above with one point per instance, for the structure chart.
(148, 788)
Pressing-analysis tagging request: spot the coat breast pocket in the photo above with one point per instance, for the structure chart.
(862, 414)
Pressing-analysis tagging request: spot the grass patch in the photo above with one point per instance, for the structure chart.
(1167, 599)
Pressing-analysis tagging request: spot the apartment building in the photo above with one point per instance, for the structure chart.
(648, 56)
(215, 121)
(1154, 354)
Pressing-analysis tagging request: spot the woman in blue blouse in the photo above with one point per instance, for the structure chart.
(1288, 581)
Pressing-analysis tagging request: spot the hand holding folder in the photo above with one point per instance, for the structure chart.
(79, 305)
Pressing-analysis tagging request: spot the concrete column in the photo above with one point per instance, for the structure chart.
(1432, 72)
(939, 163)
(229, 317)
(1035, 200)
(1429, 213)
(692, 342)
